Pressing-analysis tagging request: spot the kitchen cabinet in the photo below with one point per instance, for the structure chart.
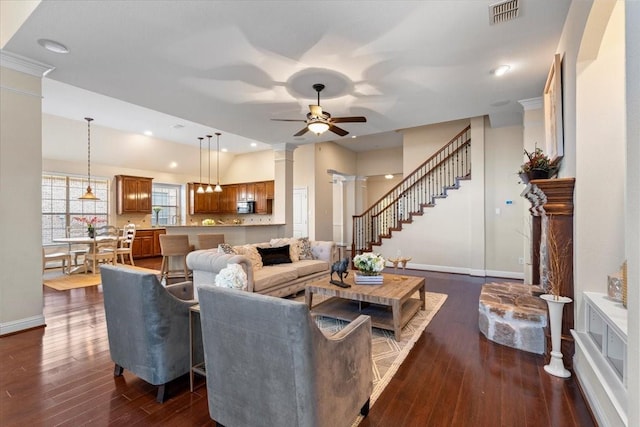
(229, 199)
(202, 203)
(147, 243)
(246, 192)
(264, 197)
(133, 194)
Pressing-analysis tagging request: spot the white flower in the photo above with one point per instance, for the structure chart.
(232, 276)
(369, 263)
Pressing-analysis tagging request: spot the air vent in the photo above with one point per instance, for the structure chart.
(504, 11)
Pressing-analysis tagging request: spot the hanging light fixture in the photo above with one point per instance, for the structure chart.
(200, 187)
(218, 189)
(209, 188)
(89, 194)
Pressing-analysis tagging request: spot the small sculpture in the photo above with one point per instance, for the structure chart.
(340, 267)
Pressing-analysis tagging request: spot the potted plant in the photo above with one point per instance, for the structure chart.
(91, 223)
(559, 252)
(537, 166)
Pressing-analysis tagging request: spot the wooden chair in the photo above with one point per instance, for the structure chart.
(126, 244)
(77, 250)
(104, 247)
(174, 245)
(210, 241)
(57, 256)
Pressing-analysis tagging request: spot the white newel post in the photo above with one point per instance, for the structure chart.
(556, 306)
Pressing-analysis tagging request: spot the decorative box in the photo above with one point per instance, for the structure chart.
(362, 279)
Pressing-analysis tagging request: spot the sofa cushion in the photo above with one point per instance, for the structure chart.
(310, 266)
(273, 275)
(294, 246)
(273, 256)
(250, 252)
(305, 248)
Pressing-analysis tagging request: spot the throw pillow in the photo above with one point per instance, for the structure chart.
(305, 248)
(294, 247)
(250, 252)
(232, 276)
(273, 256)
(226, 248)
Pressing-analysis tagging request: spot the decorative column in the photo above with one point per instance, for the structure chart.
(552, 213)
(283, 186)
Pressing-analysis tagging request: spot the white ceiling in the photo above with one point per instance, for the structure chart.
(232, 66)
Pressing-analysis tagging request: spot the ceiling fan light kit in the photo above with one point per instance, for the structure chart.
(319, 121)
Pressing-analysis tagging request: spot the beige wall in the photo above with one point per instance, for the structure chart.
(378, 186)
(20, 201)
(379, 162)
(258, 165)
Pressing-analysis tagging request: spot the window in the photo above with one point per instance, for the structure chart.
(165, 199)
(60, 204)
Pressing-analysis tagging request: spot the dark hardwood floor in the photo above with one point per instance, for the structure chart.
(63, 375)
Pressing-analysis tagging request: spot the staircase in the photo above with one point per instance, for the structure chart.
(430, 181)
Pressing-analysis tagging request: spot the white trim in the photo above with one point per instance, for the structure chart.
(24, 64)
(22, 92)
(477, 272)
(505, 274)
(467, 271)
(531, 103)
(21, 324)
(439, 268)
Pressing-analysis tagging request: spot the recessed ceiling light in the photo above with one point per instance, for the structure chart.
(148, 133)
(224, 150)
(177, 126)
(53, 46)
(253, 144)
(353, 136)
(173, 165)
(388, 176)
(501, 70)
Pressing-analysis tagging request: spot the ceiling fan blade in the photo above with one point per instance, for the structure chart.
(355, 119)
(288, 120)
(335, 129)
(301, 132)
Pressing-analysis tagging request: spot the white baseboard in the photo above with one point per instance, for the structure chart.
(21, 324)
(505, 274)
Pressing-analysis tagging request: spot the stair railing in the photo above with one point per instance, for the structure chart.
(418, 190)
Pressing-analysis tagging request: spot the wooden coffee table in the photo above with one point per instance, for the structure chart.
(390, 305)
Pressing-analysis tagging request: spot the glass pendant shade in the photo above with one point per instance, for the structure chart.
(218, 189)
(200, 189)
(209, 187)
(318, 127)
(89, 194)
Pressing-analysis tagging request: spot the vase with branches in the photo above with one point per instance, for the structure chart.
(558, 256)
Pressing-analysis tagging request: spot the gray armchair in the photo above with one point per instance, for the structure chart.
(268, 364)
(147, 325)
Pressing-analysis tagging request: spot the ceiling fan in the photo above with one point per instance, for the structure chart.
(319, 121)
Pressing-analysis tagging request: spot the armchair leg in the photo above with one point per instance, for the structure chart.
(364, 411)
(117, 371)
(161, 393)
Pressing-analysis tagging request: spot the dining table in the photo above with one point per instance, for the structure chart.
(82, 240)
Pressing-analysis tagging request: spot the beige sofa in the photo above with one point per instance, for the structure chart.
(277, 280)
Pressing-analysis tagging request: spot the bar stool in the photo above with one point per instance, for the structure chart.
(174, 245)
(210, 241)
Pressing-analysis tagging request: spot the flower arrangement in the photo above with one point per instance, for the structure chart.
(232, 276)
(538, 166)
(369, 263)
(156, 210)
(91, 222)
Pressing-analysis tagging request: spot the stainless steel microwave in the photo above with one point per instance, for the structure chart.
(246, 207)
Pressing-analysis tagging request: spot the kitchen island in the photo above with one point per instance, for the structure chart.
(234, 234)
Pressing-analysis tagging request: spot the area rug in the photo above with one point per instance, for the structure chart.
(388, 354)
(62, 282)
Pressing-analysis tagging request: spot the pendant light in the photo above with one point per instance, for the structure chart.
(89, 194)
(218, 189)
(200, 189)
(209, 188)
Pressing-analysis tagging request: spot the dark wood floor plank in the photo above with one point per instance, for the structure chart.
(63, 374)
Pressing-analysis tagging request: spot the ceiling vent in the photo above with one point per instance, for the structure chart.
(504, 11)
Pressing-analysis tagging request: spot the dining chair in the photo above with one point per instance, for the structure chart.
(103, 248)
(56, 256)
(77, 250)
(209, 241)
(126, 244)
(174, 246)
